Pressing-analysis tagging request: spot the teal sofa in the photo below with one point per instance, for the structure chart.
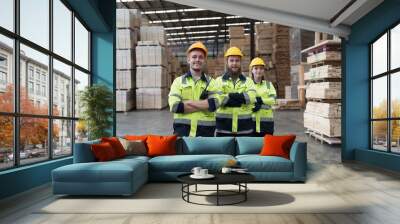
(125, 176)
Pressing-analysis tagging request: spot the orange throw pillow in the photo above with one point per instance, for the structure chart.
(161, 145)
(136, 137)
(277, 145)
(103, 152)
(116, 145)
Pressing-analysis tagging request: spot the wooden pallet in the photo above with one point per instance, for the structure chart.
(323, 138)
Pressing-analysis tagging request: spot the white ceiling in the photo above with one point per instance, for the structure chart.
(315, 15)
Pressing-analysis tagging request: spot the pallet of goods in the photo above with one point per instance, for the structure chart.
(151, 98)
(125, 100)
(322, 117)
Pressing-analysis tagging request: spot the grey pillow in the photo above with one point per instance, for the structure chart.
(134, 147)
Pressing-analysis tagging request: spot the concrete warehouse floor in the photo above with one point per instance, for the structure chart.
(160, 122)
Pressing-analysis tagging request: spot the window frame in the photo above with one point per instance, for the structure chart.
(15, 71)
(388, 74)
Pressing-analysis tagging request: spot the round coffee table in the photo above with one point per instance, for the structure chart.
(238, 179)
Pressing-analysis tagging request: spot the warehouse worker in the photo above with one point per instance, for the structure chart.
(237, 96)
(193, 98)
(263, 117)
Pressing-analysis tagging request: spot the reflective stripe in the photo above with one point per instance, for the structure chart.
(252, 90)
(220, 92)
(181, 121)
(239, 132)
(240, 117)
(211, 92)
(188, 121)
(246, 97)
(264, 119)
(206, 123)
(225, 100)
(267, 107)
(216, 103)
(176, 95)
(175, 107)
(272, 95)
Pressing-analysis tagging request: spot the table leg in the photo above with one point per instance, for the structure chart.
(217, 194)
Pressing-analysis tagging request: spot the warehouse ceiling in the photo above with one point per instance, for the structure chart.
(185, 24)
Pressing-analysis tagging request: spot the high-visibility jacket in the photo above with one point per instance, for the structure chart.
(267, 92)
(235, 120)
(199, 123)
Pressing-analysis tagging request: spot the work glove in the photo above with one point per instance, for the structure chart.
(233, 103)
(238, 97)
(257, 104)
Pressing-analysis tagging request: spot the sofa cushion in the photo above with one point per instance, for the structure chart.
(257, 163)
(277, 145)
(249, 145)
(208, 145)
(134, 147)
(112, 171)
(103, 152)
(116, 145)
(161, 145)
(185, 163)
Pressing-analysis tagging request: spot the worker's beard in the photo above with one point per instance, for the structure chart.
(234, 74)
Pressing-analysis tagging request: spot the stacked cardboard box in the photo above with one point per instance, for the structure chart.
(127, 35)
(152, 69)
(281, 57)
(242, 41)
(264, 41)
(216, 66)
(322, 117)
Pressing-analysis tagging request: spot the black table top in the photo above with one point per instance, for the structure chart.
(220, 178)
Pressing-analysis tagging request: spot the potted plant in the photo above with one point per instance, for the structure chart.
(96, 102)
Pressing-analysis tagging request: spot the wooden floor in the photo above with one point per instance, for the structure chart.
(379, 190)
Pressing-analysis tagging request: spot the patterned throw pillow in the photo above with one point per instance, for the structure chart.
(134, 147)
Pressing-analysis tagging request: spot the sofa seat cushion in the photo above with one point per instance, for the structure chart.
(257, 163)
(185, 163)
(112, 171)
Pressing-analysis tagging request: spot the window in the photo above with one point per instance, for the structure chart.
(385, 94)
(7, 14)
(30, 88)
(6, 74)
(81, 81)
(45, 131)
(30, 72)
(62, 29)
(35, 21)
(81, 45)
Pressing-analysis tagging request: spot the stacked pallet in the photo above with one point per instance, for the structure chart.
(216, 66)
(152, 71)
(322, 117)
(264, 41)
(281, 58)
(127, 34)
(242, 41)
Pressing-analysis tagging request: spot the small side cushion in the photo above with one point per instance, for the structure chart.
(103, 152)
(161, 145)
(134, 147)
(277, 145)
(116, 145)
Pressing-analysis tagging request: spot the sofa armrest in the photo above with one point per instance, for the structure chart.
(83, 152)
(298, 155)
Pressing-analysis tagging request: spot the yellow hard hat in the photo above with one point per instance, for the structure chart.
(256, 61)
(197, 45)
(233, 51)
